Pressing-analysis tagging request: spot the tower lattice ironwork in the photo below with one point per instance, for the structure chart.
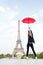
(18, 42)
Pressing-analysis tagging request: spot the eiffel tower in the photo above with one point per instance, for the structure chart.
(18, 42)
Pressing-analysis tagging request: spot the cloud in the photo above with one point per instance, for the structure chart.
(41, 12)
(8, 28)
(8, 13)
(8, 36)
(38, 14)
(2, 9)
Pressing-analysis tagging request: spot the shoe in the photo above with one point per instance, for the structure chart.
(26, 57)
(35, 57)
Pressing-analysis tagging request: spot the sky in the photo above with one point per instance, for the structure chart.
(13, 10)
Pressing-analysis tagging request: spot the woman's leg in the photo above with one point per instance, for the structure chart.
(33, 49)
(27, 49)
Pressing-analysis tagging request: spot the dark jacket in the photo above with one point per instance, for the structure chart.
(31, 39)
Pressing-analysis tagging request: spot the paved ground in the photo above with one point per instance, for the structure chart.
(21, 61)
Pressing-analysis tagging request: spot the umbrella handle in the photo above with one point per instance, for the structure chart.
(28, 26)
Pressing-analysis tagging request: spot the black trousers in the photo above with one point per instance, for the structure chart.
(32, 47)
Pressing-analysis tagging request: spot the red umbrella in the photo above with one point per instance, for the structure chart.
(28, 20)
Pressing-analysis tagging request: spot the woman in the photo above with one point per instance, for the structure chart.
(30, 42)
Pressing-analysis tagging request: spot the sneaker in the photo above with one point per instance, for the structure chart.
(35, 57)
(26, 57)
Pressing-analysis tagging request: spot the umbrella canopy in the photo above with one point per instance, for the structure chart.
(28, 20)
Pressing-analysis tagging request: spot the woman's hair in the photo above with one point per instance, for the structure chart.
(30, 33)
